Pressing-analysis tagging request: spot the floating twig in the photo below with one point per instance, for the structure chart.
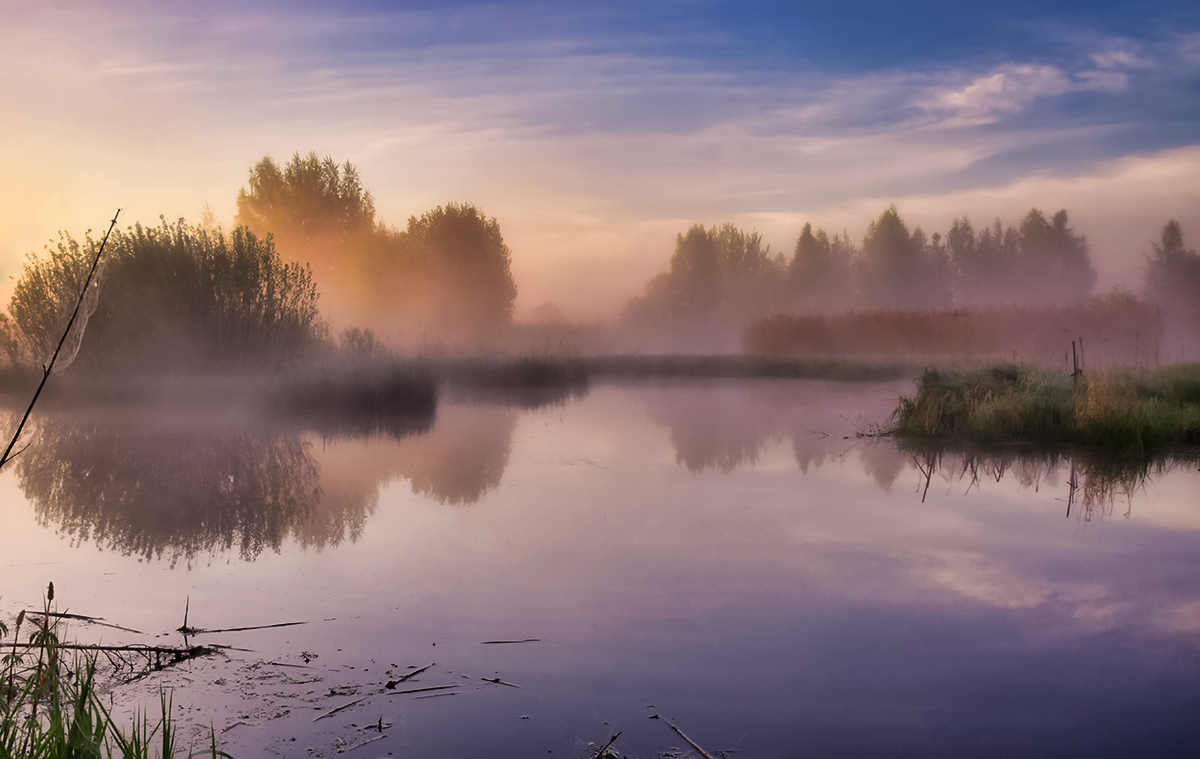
(496, 642)
(498, 681)
(432, 687)
(360, 744)
(337, 709)
(391, 684)
(690, 742)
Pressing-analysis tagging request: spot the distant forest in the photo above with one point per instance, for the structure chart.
(726, 273)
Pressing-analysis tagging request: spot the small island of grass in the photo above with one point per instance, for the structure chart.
(1123, 412)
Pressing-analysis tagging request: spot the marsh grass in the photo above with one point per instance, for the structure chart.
(1139, 413)
(50, 707)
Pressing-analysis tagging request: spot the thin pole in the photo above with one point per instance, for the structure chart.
(8, 454)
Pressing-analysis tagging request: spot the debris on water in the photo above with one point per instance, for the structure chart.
(391, 684)
(496, 642)
(498, 681)
(337, 709)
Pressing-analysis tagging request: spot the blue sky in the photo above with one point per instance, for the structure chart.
(596, 132)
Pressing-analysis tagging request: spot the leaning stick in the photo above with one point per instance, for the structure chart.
(691, 742)
(8, 454)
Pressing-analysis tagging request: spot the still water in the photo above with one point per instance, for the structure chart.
(727, 557)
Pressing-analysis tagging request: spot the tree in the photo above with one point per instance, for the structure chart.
(1173, 278)
(175, 297)
(1053, 264)
(901, 270)
(310, 202)
(820, 275)
(719, 273)
(461, 254)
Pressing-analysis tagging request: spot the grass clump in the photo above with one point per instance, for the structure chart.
(50, 708)
(1123, 412)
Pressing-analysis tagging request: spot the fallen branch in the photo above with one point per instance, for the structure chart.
(690, 742)
(496, 642)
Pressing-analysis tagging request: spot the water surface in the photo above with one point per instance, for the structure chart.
(729, 556)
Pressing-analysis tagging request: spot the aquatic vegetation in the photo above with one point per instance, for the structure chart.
(50, 706)
(1120, 412)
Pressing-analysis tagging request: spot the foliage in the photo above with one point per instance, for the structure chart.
(1173, 275)
(462, 254)
(1040, 262)
(447, 274)
(821, 272)
(902, 270)
(175, 297)
(309, 201)
(715, 272)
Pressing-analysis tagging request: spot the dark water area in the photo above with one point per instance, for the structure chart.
(727, 556)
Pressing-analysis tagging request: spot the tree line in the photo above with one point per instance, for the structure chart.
(724, 273)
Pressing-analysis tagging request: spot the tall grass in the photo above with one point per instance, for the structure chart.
(50, 708)
(1122, 412)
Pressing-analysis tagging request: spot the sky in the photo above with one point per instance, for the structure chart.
(596, 132)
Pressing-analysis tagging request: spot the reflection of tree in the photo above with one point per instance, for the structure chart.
(715, 430)
(726, 426)
(166, 491)
(464, 456)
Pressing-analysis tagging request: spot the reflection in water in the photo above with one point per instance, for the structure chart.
(463, 457)
(159, 486)
(164, 492)
(722, 427)
(1093, 484)
(725, 427)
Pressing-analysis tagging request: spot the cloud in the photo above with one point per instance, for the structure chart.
(1011, 88)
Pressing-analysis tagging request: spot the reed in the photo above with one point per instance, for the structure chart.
(50, 707)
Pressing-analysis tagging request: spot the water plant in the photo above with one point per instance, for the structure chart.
(50, 706)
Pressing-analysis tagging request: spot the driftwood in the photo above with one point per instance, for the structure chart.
(497, 642)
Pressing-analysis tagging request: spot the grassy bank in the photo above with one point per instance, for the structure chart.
(1122, 412)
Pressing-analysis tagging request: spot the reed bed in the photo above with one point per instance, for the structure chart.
(1126, 412)
(50, 707)
(1116, 328)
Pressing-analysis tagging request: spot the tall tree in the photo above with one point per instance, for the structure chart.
(820, 275)
(462, 254)
(900, 269)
